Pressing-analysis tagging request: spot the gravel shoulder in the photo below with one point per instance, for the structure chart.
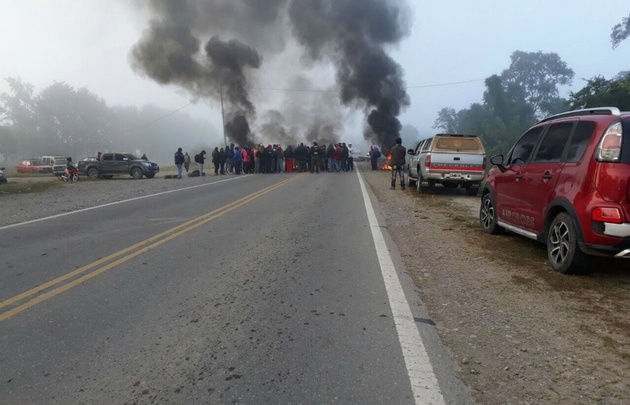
(520, 333)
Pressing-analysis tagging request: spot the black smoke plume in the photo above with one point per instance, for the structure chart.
(353, 35)
(212, 48)
(170, 50)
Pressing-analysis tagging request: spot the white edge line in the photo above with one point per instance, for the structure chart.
(424, 384)
(113, 203)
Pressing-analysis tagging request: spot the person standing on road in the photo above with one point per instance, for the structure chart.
(202, 160)
(215, 160)
(397, 163)
(350, 158)
(237, 160)
(314, 158)
(186, 161)
(375, 153)
(222, 161)
(179, 161)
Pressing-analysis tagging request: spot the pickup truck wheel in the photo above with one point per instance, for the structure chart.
(136, 173)
(562, 246)
(410, 181)
(488, 216)
(422, 189)
(93, 173)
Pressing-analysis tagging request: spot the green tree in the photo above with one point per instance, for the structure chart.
(71, 121)
(538, 76)
(17, 113)
(620, 32)
(17, 107)
(9, 146)
(447, 120)
(600, 92)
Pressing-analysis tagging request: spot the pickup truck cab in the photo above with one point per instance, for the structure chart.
(115, 164)
(452, 160)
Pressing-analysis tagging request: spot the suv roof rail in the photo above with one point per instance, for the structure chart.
(461, 135)
(585, 111)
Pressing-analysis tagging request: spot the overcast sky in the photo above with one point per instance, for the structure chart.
(86, 43)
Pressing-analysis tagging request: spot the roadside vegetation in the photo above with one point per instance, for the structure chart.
(27, 187)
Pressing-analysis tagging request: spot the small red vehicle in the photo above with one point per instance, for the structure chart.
(566, 183)
(33, 166)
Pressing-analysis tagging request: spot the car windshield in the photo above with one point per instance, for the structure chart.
(130, 156)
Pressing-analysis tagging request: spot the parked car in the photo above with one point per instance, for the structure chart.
(56, 162)
(32, 166)
(116, 164)
(3, 179)
(565, 183)
(452, 160)
(59, 165)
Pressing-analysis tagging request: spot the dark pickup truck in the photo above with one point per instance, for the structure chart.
(113, 164)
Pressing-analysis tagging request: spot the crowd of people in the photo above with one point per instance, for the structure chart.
(259, 159)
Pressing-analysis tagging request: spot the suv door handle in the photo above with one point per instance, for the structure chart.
(518, 176)
(547, 176)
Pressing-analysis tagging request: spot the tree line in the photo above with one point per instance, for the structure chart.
(528, 90)
(525, 92)
(62, 120)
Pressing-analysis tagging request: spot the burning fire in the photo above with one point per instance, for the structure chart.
(386, 166)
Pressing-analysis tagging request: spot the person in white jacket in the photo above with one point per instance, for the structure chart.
(350, 157)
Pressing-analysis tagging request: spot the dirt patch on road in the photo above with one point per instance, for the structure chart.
(521, 333)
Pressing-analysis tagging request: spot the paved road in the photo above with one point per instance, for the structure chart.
(261, 289)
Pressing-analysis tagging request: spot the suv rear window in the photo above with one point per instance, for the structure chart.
(579, 140)
(458, 144)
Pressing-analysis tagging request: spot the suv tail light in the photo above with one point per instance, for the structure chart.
(609, 148)
(427, 161)
(606, 214)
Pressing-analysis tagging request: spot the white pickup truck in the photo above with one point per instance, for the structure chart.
(452, 160)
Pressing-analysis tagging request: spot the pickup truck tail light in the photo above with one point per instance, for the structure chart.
(427, 161)
(609, 148)
(606, 214)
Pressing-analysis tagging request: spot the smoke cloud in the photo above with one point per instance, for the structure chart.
(352, 34)
(214, 49)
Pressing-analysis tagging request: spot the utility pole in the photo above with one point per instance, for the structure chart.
(222, 114)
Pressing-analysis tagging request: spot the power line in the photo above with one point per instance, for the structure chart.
(287, 90)
(445, 84)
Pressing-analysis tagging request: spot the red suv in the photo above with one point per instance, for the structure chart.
(566, 183)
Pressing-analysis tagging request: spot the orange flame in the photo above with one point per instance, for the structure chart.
(386, 166)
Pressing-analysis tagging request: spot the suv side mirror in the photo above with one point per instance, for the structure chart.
(410, 151)
(497, 160)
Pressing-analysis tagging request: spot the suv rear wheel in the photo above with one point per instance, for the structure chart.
(562, 246)
(488, 216)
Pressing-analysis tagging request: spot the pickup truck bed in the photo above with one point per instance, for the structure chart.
(452, 160)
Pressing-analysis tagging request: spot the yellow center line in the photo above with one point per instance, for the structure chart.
(150, 243)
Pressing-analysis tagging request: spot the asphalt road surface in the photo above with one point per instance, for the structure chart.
(266, 289)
